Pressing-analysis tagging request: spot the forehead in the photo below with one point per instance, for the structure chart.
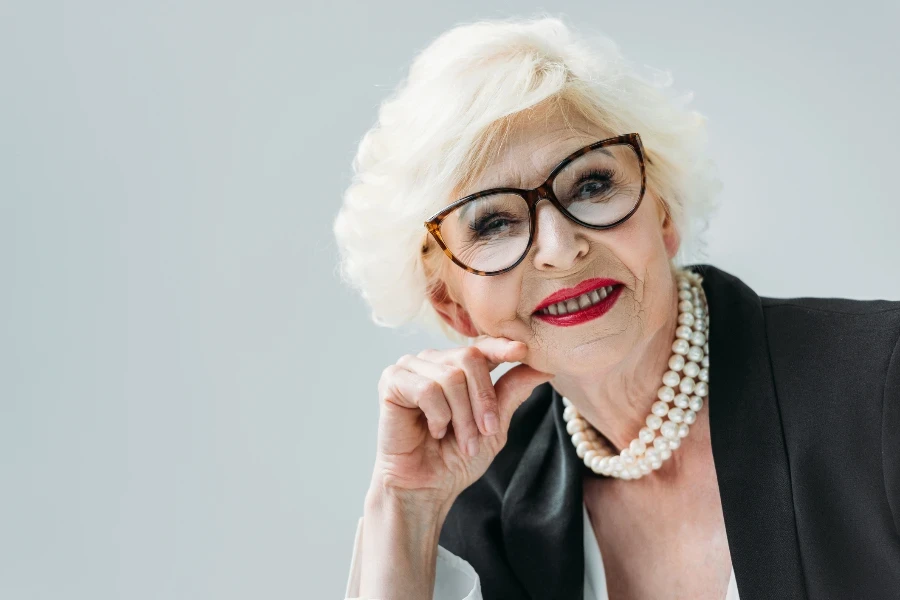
(532, 145)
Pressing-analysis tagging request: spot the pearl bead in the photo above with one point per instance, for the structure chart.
(627, 457)
(691, 369)
(654, 422)
(701, 389)
(686, 386)
(669, 429)
(671, 378)
(655, 464)
(703, 375)
(589, 456)
(578, 437)
(582, 448)
(637, 447)
(660, 408)
(665, 454)
(652, 454)
(676, 415)
(686, 319)
(676, 362)
(683, 430)
(696, 403)
(690, 417)
(674, 443)
(686, 306)
(684, 284)
(698, 338)
(575, 425)
(684, 295)
(660, 444)
(680, 347)
(569, 413)
(695, 353)
(665, 393)
(646, 435)
(684, 332)
(681, 400)
(634, 471)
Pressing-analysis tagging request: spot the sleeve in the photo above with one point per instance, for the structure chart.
(455, 579)
(890, 434)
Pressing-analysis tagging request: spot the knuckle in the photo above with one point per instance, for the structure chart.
(470, 354)
(485, 396)
(453, 376)
(428, 388)
(404, 360)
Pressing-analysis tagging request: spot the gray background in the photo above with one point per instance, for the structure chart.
(187, 392)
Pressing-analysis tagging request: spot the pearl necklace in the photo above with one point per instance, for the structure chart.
(647, 452)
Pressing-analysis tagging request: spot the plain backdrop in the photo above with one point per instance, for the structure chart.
(187, 391)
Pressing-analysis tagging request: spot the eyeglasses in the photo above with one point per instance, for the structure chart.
(598, 187)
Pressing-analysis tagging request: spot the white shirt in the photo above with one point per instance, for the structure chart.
(455, 579)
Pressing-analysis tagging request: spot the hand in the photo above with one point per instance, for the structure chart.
(443, 421)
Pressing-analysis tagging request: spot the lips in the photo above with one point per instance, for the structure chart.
(584, 287)
(573, 306)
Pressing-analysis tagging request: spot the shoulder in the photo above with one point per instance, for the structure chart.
(811, 333)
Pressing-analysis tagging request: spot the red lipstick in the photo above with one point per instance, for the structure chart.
(586, 314)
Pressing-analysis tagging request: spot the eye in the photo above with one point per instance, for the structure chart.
(490, 224)
(591, 184)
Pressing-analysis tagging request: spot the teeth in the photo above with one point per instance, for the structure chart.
(581, 302)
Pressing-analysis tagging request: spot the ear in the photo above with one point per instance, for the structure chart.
(451, 311)
(671, 236)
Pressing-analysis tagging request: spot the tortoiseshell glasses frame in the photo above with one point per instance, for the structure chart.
(533, 196)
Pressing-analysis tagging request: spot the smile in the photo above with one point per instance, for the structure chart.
(579, 309)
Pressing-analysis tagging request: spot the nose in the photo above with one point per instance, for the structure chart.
(559, 243)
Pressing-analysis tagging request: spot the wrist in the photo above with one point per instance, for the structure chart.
(399, 545)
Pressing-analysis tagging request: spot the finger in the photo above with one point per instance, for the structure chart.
(407, 389)
(453, 382)
(499, 350)
(514, 387)
(481, 389)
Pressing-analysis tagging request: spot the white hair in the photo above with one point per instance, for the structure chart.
(434, 132)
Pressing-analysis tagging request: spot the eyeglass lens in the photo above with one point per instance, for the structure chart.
(491, 233)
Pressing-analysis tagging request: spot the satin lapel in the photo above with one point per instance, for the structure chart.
(748, 444)
(541, 513)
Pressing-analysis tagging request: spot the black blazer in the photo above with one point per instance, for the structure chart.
(804, 412)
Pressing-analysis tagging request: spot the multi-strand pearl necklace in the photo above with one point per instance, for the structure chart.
(688, 374)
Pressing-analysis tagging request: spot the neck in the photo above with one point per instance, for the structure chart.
(616, 400)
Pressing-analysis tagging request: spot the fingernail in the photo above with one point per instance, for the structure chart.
(473, 446)
(491, 424)
(442, 433)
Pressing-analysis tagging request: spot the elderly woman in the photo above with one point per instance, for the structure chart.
(559, 192)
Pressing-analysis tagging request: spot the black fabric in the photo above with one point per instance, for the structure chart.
(804, 412)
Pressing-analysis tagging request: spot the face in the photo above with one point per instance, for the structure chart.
(564, 254)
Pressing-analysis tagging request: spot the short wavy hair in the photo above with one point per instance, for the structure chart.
(460, 98)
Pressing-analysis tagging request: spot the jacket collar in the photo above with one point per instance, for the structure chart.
(541, 516)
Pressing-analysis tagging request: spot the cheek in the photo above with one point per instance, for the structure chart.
(493, 301)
